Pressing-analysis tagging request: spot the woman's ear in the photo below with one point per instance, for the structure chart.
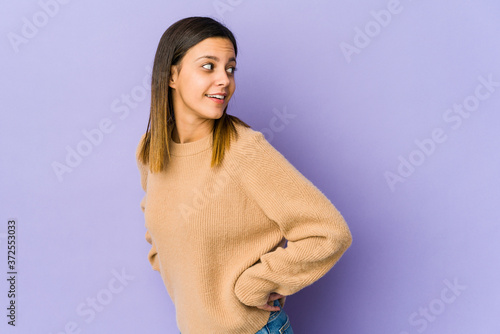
(173, 77)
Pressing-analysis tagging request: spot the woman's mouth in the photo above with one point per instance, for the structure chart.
(217, 98)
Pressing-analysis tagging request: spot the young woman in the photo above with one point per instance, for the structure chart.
(233, 226)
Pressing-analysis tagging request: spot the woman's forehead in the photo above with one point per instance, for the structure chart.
(212, 46)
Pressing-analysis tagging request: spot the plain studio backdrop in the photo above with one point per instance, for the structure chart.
(391, 108)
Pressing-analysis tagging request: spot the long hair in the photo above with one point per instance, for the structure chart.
(173, 45)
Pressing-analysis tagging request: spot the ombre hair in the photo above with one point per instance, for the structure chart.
(173, 45)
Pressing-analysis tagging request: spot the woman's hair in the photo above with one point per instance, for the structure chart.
(173, 45)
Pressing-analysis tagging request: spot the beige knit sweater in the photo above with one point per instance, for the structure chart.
(216, 233)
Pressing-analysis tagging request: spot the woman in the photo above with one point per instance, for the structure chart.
(233, 226)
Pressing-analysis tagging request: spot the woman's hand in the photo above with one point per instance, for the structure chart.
(272, 297)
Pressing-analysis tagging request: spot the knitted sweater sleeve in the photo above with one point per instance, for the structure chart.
(152, 255)
(316, 231)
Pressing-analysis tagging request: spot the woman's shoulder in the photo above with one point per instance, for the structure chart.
(251, 145)
(247, 136)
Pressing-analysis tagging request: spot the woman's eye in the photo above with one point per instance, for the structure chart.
(208, 66)
(231, 70)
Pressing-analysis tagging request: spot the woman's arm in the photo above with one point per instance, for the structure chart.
(317, 233)
(152, 255)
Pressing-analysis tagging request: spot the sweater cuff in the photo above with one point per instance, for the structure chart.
(252, 290)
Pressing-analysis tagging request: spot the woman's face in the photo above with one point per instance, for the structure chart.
(204, 82)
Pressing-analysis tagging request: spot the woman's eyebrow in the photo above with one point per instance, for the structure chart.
(215, 58)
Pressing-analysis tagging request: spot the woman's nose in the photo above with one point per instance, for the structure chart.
(222, 78)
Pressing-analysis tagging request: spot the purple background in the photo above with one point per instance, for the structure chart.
(355, 118)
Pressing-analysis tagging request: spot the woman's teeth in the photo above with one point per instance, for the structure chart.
(220, 97)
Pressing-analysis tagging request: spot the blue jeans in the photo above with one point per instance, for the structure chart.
(278, 322)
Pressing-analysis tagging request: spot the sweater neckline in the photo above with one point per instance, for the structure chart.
(190, 148)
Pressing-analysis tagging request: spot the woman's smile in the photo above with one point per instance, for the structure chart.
(217, 97)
